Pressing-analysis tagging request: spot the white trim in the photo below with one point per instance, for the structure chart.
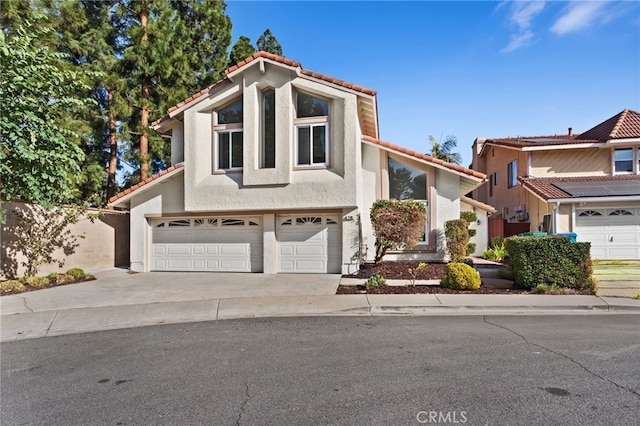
(426, 162)
(594, 199)
(625, 140)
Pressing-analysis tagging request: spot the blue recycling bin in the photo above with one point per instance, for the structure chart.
(571, 235)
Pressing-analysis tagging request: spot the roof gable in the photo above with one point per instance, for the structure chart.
(625, 124)
(256, 58)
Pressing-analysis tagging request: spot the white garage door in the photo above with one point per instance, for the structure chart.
(614, 233)
(309, 244)
(207, 244)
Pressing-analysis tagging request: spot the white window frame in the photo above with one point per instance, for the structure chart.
(311, 125)
(229, 131)
(219, 129)
(512, 174)
(311, 122)
(635, 160)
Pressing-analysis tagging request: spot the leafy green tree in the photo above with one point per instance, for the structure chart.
(267, 42)
(169, 49)
(444, 150)
(42, 101)
(242, 49)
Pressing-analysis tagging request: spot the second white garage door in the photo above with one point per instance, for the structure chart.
(614, 233)
(309, 244)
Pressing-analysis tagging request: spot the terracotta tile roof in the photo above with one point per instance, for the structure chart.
(478, 204)
(275, 58)
(551, 140)
(545, 188)
(625, 124)
(425, 157)
(145, 182)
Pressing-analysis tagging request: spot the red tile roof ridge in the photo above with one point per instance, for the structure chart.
(144, 182)
(425, 157)
(275, 58)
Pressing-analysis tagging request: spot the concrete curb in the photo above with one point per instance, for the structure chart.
(29, 325)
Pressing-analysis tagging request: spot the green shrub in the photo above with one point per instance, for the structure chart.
(76, 273)
(469, 217)
(375, 281)
(457, 236)
(65, 279)
(498, 242)
(35, 282)
(498, 250)
(467, 261)
(12, 285)
(53, 277)
(550, 260)
(459, 276)
(550, 289)
(471, 247)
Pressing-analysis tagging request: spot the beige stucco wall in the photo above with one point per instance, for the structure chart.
(481, 239)
(106, 244)
(284, 186)
(573, 162)
(164, 198)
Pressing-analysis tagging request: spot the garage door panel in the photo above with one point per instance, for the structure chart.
(614, 233)
(203, 245)
(308, 244)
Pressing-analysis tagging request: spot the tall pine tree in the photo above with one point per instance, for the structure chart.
(170, 49)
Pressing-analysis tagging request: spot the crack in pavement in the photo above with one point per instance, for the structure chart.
(484, 318)
(244, 404)
(51, 323)
(26, 305)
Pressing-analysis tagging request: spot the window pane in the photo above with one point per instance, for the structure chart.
(236, 149)
(319, 144)
(269, 141)
(406, 182)
(223, 150)
(310, 106)
(231, 113)
(623, 160)
(304, 154)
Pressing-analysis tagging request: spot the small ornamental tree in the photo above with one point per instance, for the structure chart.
(39, 232)
(397, 224)
(458, 234)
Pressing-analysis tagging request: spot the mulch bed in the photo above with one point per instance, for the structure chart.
(50, 285)
(400, 271)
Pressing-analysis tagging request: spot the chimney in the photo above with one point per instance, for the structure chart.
(570, 131)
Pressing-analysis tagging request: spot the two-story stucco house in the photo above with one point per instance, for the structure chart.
(588, 184)
(275, 169)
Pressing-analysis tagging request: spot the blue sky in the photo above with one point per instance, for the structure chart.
(467, 69)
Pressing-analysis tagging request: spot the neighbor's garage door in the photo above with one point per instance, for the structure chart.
(207, 244)
(309, 244)
(613, 233)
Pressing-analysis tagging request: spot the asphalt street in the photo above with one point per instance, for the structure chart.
(476, 370)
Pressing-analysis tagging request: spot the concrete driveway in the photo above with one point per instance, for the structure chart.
(118, 287)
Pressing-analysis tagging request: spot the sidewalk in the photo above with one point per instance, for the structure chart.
(121, 300)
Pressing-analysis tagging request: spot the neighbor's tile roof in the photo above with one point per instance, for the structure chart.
(274, 58)
(172, 169)
(545, 188)
(424, 157)
(621, 126)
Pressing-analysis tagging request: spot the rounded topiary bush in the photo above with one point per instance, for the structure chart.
(459, 276)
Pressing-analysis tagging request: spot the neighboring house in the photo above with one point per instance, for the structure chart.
(274, 170)
(588, 184)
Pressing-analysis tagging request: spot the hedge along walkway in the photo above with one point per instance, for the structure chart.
(619, 278)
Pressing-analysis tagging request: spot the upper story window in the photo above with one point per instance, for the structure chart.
(268, 152)
(228, 136)
(312, 130)
(493, 181)
(512, 178)
(626, 160)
